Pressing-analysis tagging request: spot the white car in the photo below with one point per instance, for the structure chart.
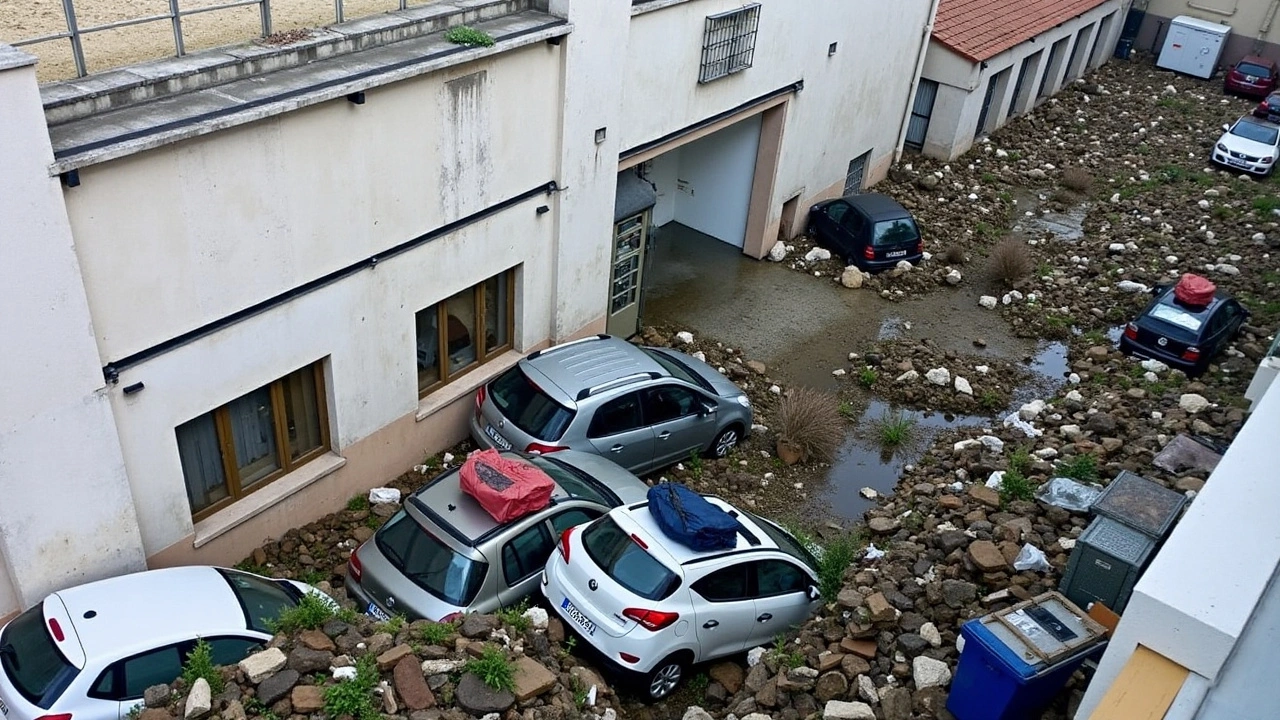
(1251, 145)
(652, 607)
(89, 652)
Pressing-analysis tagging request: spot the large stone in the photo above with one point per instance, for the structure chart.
(861, 648)
(928, 672)
(867, 689)
(440, 666)
(930, 633)
(693, 712)
(840, 710)
(388, 659)
(767, 695)
(958, 593)
(950, 540)
(728, 674)
(986, 556)
(261, 665)
(985, 495)
(962, 386)
(880, 609)
(757, 676)
(316, 640)
(896, 703)
(1100, 424)
(156, 696)
(277, 686)
(852, 277)
(307, 699)
(938, 376)
(307, 661)
(882, 525)
(155, 714)
(412, 685)
(475, 625)
(588, 678)
(199, 700)
(479, 699)
(1193, 403)
(853, 666)
(778, 252)
(532, 678)
(831, 685)
(912, 644)
(849, 598)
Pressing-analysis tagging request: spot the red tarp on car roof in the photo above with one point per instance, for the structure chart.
(1194, 290)
(506, 488)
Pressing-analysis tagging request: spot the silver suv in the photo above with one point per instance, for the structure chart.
(442, 554)
(642, 407)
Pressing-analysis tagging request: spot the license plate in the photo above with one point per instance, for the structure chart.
(377, 613)
(578, 617)
(897, 253)
(4, 708)
(502, 442)
(1235, 162)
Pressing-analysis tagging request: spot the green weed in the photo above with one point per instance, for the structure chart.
(358, 503)
(895, 429)
(514, 616)
(199, 664)
(436, 633)
(354, 697)
(463, 35)
(1082, 467)
(310, 613)
(1015, 486)
(493, 668)
(868, 377)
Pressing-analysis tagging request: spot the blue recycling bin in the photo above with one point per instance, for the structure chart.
(1124, 46)
(1016, 660)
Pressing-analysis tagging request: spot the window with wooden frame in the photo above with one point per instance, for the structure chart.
(252, 440)
(473, 327)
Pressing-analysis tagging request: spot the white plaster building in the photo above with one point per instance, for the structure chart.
(242, 286)
(992, 60)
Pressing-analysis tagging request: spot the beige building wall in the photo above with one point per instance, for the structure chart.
(1253, 25)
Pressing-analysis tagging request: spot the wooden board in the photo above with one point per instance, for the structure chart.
(1143, 690)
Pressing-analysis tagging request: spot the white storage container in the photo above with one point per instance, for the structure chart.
(1193, 46)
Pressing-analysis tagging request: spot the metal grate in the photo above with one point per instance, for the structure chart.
(729, 42)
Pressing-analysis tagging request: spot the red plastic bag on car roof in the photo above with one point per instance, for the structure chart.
(1194, 290)
(506, 488)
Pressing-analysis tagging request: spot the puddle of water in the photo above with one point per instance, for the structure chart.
(1067, 226)
(1051, 361)
(890, 329)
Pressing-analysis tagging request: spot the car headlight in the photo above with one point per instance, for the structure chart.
(744, 401)
(1222, 147)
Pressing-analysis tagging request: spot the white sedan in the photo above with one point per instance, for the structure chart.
(1251, 145)
(89, 652)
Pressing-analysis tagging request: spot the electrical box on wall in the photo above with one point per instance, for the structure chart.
(1193, 46)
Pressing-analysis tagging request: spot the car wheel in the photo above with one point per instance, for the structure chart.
(725, 442)
(664, 678)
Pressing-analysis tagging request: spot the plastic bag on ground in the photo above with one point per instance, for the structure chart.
(381, 495)
(506, 488)
(873, 553)
(1014, 421)
(1184, 453)
(1068, 494)
(1031, 557)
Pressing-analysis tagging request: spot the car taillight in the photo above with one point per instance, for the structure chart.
(564, 544)
(355, 570)
(56, 630)
(59, 716)
(480, 395)
(651, 619)
(1131, 331)
(1191, 354)
(541, 449)
(869, 253)
(451, 617)
(636, 539)
(628, 657)
(919, 246)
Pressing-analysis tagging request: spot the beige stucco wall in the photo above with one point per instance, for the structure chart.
(1247, 18)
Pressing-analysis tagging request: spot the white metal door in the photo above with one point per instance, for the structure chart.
(626, 277)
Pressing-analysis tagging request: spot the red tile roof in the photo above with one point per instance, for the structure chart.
(981, 29)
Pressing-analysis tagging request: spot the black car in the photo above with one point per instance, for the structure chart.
(871, 231)
(1183, 336)
(1269, 108)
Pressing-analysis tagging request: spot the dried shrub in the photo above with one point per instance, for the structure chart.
(954, 255)
(1010, 261)
(810, 425)
(1077, 179)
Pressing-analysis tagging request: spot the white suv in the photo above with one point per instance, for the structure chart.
(652, 607)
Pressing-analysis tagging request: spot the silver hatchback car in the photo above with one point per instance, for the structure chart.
(443, 555)
(642, 407)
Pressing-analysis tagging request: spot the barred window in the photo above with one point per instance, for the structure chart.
(729, 43)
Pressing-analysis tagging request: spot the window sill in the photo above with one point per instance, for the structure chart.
(252, 505)
(651, 5)
(467, 384)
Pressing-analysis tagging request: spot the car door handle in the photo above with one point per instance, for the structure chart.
(765, 617)
(711, 624)
(664, 435)
(616, 449)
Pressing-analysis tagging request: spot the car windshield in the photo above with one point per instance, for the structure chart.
(262, 600)
(1258, 133)
(786, 542)
(1254, 70)
(677, 368)
(574, 482)
(429, 563)
(895, 232)
(527, 407)
(31, 661)
(626, 562)
(1175, 315)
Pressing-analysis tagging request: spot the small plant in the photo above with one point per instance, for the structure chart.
(492, 667)
(310, 613)
(347, 615)
(848, 410)
(570, 643)
(394, 625)
(895, 428)
(250, 566)
(790, 659)
(988, 177)
(358, 503)
(199, 664)
(837, 555)
(983, 229)
(354, 697)
(1015, 486)
(1082, 467)
(515, 617)
(1010, 261)
(1077, 179)
(1044, 270)
(695, 464)
(135, 712)
(990, 400)
(698, 683)
(463, 35)
(313, 576)
(868, 377)
(810, 425)
(253, 707)
(580, 692)
(373, 522)
(1266, 203)
(436, 633)
(1020, 461)
(954, 255)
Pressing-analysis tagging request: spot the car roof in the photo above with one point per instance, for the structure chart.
(1255, 120)
(591, 362)
(458, 513)
(151, 608)
(877, 206)
(1257, 60)
(676, 554)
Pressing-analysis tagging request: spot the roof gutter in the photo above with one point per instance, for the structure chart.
(926, 36)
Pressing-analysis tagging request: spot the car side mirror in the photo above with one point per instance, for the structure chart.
(708, 409)
(814, 593)
(1225, 127)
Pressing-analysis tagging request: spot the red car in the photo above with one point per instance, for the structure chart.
(1269, 108)
(1253, 76)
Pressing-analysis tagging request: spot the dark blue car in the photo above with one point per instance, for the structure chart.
(871, 231)
(1183, 336)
